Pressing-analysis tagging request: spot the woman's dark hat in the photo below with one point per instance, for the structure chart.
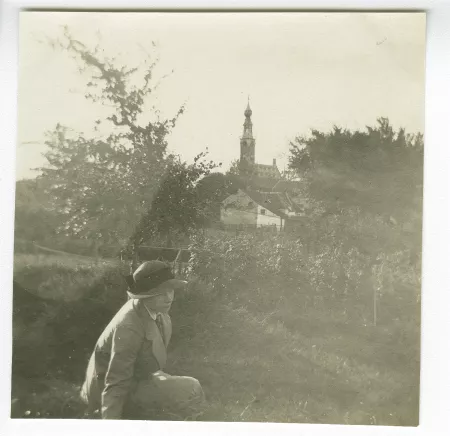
(152, 278)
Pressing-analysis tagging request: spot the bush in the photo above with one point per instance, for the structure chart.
(60, 309)
(337, 259)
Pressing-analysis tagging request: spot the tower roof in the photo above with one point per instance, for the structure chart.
(248, 111)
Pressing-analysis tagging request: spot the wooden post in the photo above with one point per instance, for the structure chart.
(134, 257)
(176, 263)
(377, 283)
(374, 304)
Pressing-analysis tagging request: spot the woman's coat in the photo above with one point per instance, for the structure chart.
(130, 349)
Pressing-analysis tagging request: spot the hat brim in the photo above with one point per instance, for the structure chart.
(168, 285)
(176, 284)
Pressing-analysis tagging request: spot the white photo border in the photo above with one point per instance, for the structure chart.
(435, 368)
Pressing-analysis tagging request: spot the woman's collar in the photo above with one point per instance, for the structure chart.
(151, 312)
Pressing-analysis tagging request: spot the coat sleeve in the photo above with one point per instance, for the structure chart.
(126, 344)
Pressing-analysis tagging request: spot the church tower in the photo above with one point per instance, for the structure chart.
(247, 141)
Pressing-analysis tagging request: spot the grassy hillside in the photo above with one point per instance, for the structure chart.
(263, 350)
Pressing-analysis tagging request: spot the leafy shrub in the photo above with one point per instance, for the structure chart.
(60, 309)
(342, 260)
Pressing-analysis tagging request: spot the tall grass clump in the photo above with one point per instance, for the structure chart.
(60, 307)
(343, 264)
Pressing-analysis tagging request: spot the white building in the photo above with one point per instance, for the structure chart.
(264, 198)
(257, 209)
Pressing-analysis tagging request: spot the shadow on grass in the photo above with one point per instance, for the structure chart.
(252, 365)
(53, 338)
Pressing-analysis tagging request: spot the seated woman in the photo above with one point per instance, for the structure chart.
(125, 377)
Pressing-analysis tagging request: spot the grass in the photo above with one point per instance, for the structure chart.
(64, 277)
(283, 364)
(283, 375)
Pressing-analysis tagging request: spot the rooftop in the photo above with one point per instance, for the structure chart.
(276, 202)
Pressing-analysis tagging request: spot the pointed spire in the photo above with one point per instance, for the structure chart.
(248, 111)
(248, 122)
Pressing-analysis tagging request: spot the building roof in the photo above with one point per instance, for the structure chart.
(267, 170)
(276, 202)
(286, 186)
(274, 185)
(262, 183)
(278, 191)
(248, 111)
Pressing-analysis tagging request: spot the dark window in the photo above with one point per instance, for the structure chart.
(263, 211)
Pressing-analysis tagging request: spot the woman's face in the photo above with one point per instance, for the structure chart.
(162, 302)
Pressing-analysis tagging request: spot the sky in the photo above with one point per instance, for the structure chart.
(301, 71)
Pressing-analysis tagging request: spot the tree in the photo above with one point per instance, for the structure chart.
(103, 186)
(34, 220)
(211, 191)
(289, 175)
(241, 169)
(379, 169)
(235, 168)
(177, 207)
